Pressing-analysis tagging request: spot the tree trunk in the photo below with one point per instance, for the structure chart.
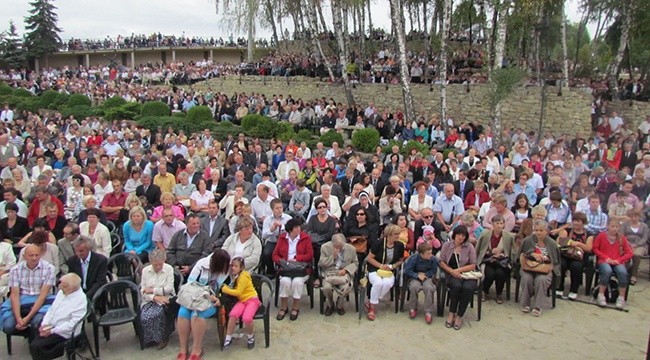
(251, 7)
(471, 2)
(409, 108)
(581, 26)
(565, 57)
(425, 29)
(321, 17)
(369, 18)
(615, 65)
(343, 56)
(313, 24)
(491, 40)
(269, 15)
(537, 34)
(444, 34)
(502, 28)
(362, 31)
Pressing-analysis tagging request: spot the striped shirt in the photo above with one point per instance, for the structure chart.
(596, 221)
(30, 281)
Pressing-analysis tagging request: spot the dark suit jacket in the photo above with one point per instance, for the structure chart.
(222, 188)
(629, 161)
(61, 222)
(345, 184)
(220, 231)
(248, 174)
(418, 172)
(379, 187)
(178, 254)
(153, 194)
(251, 160)
(195, 179)
(469, 186)
(96, 272)
(437, 227)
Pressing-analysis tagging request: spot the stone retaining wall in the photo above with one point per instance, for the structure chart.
(566, 114)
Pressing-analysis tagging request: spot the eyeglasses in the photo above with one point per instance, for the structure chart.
(427, 216)
(361, 214)
(321, 207)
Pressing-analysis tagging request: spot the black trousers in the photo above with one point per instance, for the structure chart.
(47, 348)
(576, 267)
(494, 274)
(267, 266)
(460, 293)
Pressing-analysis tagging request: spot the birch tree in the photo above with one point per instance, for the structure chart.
(565, 56)
(614, 66)
(396, 14)
(342, 41)
(444, 34)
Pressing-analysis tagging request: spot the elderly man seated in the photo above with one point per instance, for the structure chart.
(30, 281)
(68, 308)
(338, 263)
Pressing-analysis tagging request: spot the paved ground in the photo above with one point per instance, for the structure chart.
(572, 330)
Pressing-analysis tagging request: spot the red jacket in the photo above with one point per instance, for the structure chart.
(619, 250)
(34, 209)
(470, 199)
(304, 250)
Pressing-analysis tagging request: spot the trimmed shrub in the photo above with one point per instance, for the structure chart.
(287, 135)
(78, 112)
(303, 135)
(155, 108)
(412, 144)
(446, 152)
(180, 115)
(153, 122)
(32, 104)
(127, 111)
(79, 100)
(250, 121)
(222, 129)
(198, 114)
(114, 102)
(365, 140)
(331, 136)
(283, 127)
(22, 93)
(5, 89)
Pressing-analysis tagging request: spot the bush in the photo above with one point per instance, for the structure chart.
(221, 130)
(78, 112)
(6, 89)
(303, 135)
(32, 104)
(155, 108)
(179, 114)
(250, 121)
(265, 129)
(406, 149)
(365, 140)
(22, 93)
(287, 135)
(153, 122)
(54, 100)
(283, 127)
(446, 152)
(114, 102)
(198, 114)
(78, 100)
(331, 136)
(127, 111)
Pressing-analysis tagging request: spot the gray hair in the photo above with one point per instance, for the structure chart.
(72, 279)
(540, 223)
(325, 187)
(82, 241)
(158, 255)
(338, 240)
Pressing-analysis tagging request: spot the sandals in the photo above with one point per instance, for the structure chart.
(250, 343)
(457, 324)
(537, 312)
(484, 297)
(525, 309)
(499, 300)
(294, 314)
(413, 314)
(371, 312)
(181, 356)
(281, 314)
(633, 280)
(448, 324)
(194, 357)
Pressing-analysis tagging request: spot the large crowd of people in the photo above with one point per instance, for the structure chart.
(219, 210)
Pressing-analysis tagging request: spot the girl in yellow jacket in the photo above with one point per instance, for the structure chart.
(247, 301)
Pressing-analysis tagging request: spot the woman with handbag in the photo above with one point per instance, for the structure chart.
(293, 256)
(575, 248)
(383, 258)
(213, 272)
(456, 257)
(539, 257)
(157, 287)
(495, 248)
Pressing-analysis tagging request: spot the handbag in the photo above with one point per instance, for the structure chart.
(471, 275)
(384, 273)
(502, 262)
(528, 263)
(571, 252)
(360, 243)
(293, 269)
(194, 296)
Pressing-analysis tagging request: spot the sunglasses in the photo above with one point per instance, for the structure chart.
(321, 207)
(361, 214)
(428, 216)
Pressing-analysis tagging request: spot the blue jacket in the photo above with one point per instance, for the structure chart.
(416, 264)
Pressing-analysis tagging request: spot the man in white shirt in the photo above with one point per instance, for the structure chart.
(11, 196)
(282, 173)
(332, 152)
(69, 307)
(7, 115)
(261, 204)
(615, 122)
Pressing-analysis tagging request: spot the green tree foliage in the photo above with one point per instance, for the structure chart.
(78, 100)
(42, 36)
(198, 114)
(12, 55)
(330, 137)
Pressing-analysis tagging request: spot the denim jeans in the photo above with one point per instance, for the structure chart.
(606, 271)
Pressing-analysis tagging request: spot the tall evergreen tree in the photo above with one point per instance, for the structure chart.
(42, 36)
(12, 55)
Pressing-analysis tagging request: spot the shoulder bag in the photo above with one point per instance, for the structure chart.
(570, 252)
(194, 296)
(528, 263)
(293, 269)
(360, 243)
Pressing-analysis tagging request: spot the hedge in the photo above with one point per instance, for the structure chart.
(198, 114)
(54, 100)
(22, 93)
(251, 121)
(406, 149)
(127, 111)
(78, 112)
(6, 89)
(177, 123)
(155, 108)
(113, 102)
(365, 140)
(78, 100)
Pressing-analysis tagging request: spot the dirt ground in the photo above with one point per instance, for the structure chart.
(572, 330)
